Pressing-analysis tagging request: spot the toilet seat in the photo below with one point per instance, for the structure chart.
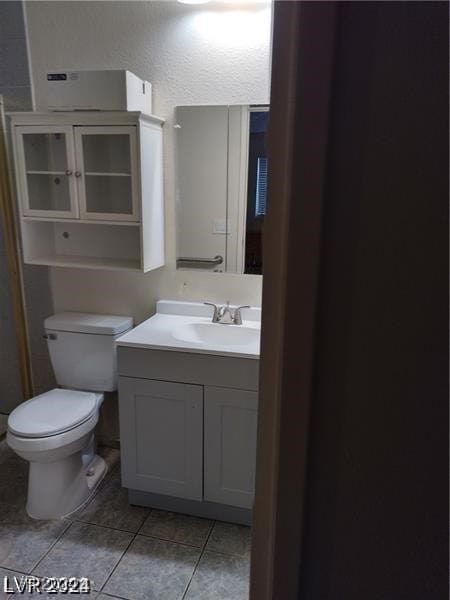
(52, 413)
(52, 443)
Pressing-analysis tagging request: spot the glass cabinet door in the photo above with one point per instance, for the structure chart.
(46, 171)
(107, 175)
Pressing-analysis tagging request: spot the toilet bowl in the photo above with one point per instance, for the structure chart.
(59, 444)
(54, 431)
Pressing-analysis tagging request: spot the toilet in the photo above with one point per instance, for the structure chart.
(55, 430)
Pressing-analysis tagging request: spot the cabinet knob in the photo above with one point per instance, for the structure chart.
(77, 173)
(68, 172)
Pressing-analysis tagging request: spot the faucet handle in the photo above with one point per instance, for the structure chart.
(216, 311)
(237, 317)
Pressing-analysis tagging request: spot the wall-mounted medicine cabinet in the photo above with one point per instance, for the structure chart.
(90, 189)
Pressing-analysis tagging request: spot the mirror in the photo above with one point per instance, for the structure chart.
(221, 166)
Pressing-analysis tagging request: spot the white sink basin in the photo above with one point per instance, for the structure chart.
(214, 334)
(187, 327)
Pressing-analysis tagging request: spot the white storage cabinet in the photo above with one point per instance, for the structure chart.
(90, 189)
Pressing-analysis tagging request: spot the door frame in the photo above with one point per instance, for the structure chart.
(12, 251)
(302, 69)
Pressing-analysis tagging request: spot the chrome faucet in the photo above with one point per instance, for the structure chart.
(226, 315)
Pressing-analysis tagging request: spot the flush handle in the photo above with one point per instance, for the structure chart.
(50, 336)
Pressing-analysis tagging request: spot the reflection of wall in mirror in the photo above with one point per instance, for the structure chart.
(201, 140)
(212, 154)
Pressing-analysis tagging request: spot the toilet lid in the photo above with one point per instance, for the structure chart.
(51, 413)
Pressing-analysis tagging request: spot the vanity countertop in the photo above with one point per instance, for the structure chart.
(187, 327)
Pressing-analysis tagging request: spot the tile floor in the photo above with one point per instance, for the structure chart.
(126, 551)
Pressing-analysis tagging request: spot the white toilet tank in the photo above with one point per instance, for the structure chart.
(82, 349)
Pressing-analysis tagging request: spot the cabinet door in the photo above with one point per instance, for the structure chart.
(107, 174)
(230, 446)
(45, 171)
(161, 437)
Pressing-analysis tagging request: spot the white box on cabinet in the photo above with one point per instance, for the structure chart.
(98, 90)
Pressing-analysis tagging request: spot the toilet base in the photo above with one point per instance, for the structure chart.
(57, 489)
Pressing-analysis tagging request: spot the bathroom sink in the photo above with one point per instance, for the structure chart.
(214, 334)
(187, 327)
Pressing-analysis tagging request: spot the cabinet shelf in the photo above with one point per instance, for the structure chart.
(82, 245)
(95, 174)
(46, 172)
(82, 221)
(87, 262)
(108, 174)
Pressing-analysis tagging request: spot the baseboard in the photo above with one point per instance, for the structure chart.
(208, 510)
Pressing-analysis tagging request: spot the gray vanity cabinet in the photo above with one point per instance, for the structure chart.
(230, 446)
(162, 437)
(188, 431)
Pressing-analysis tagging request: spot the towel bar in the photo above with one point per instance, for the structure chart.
(217, 260)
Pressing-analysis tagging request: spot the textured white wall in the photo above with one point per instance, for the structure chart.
(212, 54)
